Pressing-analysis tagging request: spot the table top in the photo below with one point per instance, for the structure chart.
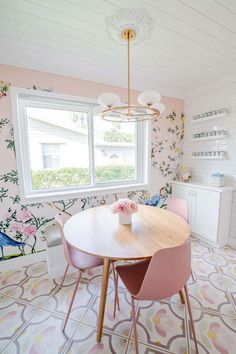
(98, 232)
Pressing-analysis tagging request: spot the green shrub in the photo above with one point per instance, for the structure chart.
(70, 177)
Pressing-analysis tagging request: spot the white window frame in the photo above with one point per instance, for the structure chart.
(52, 100)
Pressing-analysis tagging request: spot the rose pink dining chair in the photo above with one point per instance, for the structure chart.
(82, 262)
(163, 276)
(179, 207)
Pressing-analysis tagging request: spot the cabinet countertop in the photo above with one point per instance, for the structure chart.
(204, 186)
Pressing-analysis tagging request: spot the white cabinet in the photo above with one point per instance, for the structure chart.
(209, 209)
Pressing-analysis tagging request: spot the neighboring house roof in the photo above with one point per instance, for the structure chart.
(65, 125)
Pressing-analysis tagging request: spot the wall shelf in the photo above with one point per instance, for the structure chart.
(204, 119)
(208, 157)
(213, 137)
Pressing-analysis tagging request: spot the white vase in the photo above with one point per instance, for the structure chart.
(125, 219)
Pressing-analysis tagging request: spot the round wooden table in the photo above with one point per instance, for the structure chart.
(98, 232)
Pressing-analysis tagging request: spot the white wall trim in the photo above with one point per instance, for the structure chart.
(14, 263)
(232, 242)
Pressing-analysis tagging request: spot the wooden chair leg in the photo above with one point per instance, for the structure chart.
(116, 300)
(72, 299)
(64, 276)
(135, 326)
(182, 298)
(191, 319)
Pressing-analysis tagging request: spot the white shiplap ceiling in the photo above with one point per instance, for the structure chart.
(193, 42)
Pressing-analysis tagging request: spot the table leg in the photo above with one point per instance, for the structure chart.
(102, 305)
(181, 294)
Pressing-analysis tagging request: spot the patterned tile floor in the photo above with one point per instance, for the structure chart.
(33, 310)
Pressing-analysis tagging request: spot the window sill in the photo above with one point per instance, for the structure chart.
(65, 195)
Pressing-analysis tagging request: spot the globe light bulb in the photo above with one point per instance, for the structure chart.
(149, 98)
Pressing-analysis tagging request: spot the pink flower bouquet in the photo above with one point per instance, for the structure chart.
(124, 206)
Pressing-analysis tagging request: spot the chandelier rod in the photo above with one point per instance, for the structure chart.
(129, 81)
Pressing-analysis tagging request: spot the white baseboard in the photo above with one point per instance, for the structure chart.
(232, 242)
(57, 272)
(22, 261)
(204, 239)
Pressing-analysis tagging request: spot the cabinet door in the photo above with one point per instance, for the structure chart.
(205, 213)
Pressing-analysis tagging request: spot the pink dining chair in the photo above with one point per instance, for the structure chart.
(179, 207)
(164, 275)
(82, 262)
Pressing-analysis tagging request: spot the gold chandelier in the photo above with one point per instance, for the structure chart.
(148, 107)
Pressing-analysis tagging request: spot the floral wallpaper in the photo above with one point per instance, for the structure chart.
(22, 226)
(166, 153)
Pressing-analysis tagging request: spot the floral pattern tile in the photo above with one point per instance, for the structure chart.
(144, 349)
(35, 287)
(215, 259)
(121, 324)
(204, 294)
(59, 302)
(201, 268)
(199, 249)
(14, 277)
(94, 275)
(13, 315)
(215, 333)
(33, 309)
(12, 291)
(229, 269)
(37, 269)
(161, 324)
(227, 252)
(84, 341)
(42, 335)
(210, 295)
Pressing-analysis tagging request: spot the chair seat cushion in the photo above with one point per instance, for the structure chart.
(132, 275)
(53, 236)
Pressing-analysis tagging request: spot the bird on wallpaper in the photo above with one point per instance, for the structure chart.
(153, 201)
(7, 241)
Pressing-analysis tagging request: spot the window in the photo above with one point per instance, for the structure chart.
(51, 157)
(63, 149)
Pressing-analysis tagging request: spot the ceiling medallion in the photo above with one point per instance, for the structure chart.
(126, 26)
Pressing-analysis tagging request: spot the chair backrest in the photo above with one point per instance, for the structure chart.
(179, 207)
(60, 223)
(167, 273)
(74, 256)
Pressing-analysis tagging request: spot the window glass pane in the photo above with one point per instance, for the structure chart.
(51, 154)
(59, 149)
(114, 145)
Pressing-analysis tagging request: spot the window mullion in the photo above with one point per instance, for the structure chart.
(137, 152)
(91, 149)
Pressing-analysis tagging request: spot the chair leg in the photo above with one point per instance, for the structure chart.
(64, 276)
(116, 300)
(72, 300)
(191, 319)
(181, 295)
(135, 326)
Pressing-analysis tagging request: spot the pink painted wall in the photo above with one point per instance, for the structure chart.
(71, 86)
(165, 132)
